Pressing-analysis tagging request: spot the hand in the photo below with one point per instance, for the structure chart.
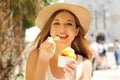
(47, 49)
(71, 70)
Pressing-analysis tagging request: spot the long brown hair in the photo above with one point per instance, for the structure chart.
(79, 44)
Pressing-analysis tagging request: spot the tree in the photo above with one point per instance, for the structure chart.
(15, 17)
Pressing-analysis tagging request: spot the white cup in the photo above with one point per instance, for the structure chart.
(63, 60)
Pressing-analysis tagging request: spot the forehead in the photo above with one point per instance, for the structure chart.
(64, 14)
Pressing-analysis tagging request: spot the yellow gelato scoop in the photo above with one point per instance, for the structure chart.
(69, 52)
(57, 38)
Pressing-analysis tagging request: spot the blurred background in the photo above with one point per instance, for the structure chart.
(17, 31)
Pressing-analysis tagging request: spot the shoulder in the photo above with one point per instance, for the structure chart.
(87, 68)
(31, 62)
(33, 56)
(86, 61)
(87, 64)
(33, 53)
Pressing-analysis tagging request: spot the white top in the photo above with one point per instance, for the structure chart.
(51, 77)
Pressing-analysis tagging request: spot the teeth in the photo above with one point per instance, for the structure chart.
(62, 35)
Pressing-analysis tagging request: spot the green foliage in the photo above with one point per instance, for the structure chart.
(26, 10)
(48, 2)
(27, 23)
(20, 77)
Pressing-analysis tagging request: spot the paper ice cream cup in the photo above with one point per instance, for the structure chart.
(63, 60)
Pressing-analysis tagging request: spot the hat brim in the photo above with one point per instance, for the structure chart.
(81, 13)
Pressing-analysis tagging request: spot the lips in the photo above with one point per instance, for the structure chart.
(62, 36)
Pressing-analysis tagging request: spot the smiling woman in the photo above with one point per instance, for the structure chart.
(69, 23)
(65, 28)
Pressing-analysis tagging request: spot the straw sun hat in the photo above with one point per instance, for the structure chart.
(81, 13)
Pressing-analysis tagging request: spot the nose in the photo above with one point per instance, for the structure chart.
(62, 27)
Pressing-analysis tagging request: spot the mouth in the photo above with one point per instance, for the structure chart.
(62, 37)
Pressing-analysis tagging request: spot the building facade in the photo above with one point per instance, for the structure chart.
(105, 17)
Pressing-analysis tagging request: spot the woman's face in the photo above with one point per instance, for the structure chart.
(64, 26)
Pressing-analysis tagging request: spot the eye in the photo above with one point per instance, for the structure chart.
(69, 24)
(56, 23)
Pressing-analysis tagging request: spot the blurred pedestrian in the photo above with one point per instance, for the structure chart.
(101, 51)
(117, 51)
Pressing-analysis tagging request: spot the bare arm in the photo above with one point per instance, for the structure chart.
(36, 68)
(41, 69)
(37, 64)
(31, 65)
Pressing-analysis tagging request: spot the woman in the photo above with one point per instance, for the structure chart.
(70, 23)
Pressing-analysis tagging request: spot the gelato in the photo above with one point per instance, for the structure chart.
(65, 56)
(57, 38)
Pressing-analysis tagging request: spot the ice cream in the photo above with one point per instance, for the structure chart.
(65, 56)
(57, 38)
(68, 52)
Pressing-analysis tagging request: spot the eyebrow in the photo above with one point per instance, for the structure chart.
(55, 19)
(70, 20)
(67, 20)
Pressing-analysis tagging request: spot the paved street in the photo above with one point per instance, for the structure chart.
(110, 74)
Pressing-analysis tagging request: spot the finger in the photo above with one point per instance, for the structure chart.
(71, 66)
(74, 61)
(50, 39)
(70, 71)
(49, 42)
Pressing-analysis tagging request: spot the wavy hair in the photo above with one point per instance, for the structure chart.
(79, 44)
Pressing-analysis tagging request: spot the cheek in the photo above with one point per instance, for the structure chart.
(72, 35)
(52, 32)
(74, 32)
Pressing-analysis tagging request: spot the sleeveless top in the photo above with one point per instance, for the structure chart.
(51, 77)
